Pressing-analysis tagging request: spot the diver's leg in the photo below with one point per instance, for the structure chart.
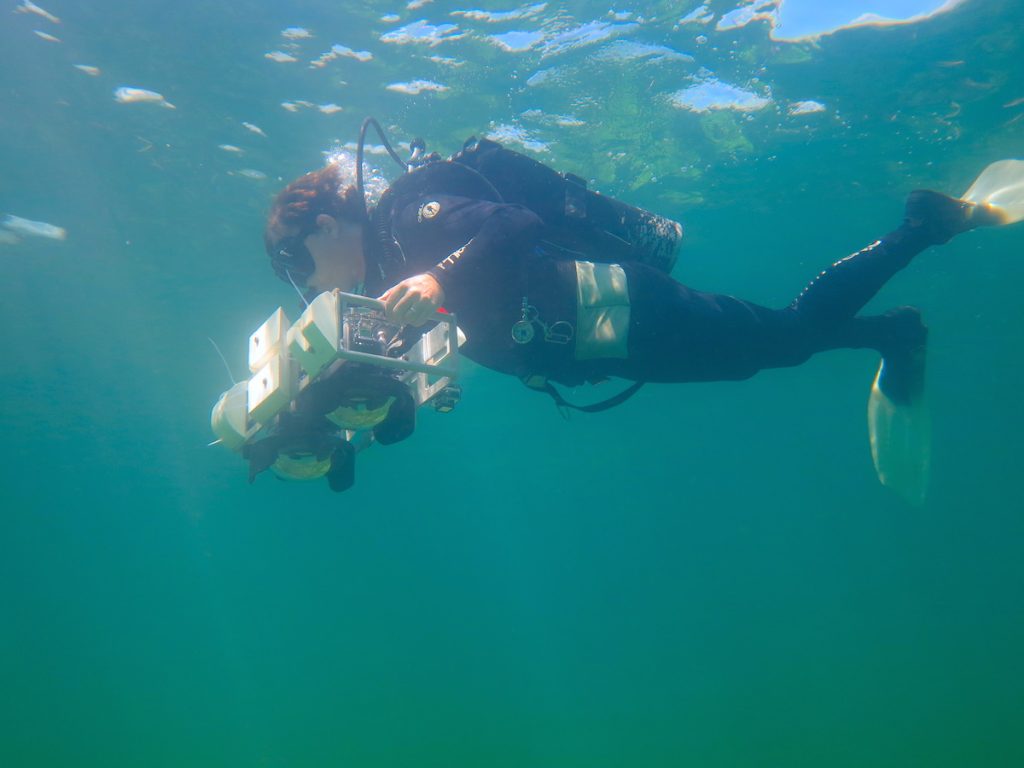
(899, 423)
(679, 334)
(889, 334)
(839, 292)
(900, 338)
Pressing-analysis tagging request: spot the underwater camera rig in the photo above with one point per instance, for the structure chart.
(339, 379)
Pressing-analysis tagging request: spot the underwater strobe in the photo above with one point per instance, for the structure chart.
(333, 383)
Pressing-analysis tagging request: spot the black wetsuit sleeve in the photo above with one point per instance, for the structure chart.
(509, 231)
(464, 243)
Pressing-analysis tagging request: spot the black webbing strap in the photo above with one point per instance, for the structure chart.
(604, 405)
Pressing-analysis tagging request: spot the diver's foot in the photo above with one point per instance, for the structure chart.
(940, 218)
(903, 348)
(901, 374)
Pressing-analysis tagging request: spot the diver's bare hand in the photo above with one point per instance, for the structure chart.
(413, 300)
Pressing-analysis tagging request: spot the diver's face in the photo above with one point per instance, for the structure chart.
(337, 250)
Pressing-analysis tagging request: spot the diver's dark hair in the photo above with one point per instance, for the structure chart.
(296, 207)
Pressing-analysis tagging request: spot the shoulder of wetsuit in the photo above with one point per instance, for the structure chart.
(431, 213)
(442, 177)
(435, 177)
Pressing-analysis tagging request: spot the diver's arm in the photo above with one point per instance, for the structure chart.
(497, 234)
(509, 231)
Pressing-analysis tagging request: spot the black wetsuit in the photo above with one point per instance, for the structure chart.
(487, 257)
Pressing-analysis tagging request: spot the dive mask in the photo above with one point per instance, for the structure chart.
(292, 260)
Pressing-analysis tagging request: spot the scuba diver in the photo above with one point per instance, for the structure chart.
(554, 283)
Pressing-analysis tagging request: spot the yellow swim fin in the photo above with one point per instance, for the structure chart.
(1000, 189)
(899, 426)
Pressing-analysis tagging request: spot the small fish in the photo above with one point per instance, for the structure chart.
(29, 228)
(27, 6)
(280, 57)
(89, 70)
(231, 148)
(329, 109)
(290, 106)
(126, 95)
(250, 173)
(47, 36)
(296, 33)
(255, 129)
(1014, 103)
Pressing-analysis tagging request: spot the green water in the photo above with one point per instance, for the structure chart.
(708, 575)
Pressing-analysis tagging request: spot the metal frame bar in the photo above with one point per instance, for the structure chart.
(346, 300)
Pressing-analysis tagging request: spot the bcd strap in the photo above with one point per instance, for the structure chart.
(541, 384)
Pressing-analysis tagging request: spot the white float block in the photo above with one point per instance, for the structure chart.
(270, 389)
(313, 340)
(229, 417)
(268, 340)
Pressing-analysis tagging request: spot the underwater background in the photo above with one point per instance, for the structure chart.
(707, 575)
